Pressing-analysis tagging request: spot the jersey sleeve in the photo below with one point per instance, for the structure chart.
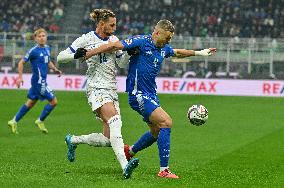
(169, 51)
(79, 43)
(132, 42)
(28, 55)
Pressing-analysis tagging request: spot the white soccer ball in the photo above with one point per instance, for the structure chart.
(197, 114)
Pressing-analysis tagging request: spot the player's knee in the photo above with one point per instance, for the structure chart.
(167, 123)
(30, 104)
(53, 102)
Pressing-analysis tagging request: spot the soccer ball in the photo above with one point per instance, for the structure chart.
(197, 114)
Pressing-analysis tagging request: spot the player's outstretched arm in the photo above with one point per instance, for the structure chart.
(53, 67)
(20, 80)
(187, 53)
(110, 47)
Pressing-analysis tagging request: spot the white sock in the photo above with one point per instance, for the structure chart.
(163, 168)
(116, 140)
(94, 139)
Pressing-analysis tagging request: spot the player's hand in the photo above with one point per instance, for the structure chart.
(206, 52)
(19, 82)
(80, 52)
(212, 50)
(133, 51)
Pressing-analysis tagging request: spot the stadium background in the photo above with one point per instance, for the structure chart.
(241, 144)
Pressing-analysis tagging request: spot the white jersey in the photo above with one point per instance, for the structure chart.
(101, 68)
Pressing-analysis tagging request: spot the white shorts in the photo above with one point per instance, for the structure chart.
(98, 97)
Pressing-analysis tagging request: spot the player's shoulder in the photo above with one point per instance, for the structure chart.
(167, 46)
(142, 37)
(33, 49)
(47, 47)
(86, 37)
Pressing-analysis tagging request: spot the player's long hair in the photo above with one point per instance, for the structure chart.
(98, 15)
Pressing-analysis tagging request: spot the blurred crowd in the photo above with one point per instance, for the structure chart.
(27, 15)
(219, 18)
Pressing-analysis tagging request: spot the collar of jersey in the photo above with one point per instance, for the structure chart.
(104, 39)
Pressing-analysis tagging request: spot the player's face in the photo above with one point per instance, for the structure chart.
(109, 26)
(164, 37)
(41, 38)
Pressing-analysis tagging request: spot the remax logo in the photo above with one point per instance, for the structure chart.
(74, 83)
(190, 86)
(273, 88)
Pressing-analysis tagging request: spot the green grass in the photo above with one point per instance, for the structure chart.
(241, 145)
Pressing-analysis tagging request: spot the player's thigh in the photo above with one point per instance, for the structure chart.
(159, 117)
(106, 111)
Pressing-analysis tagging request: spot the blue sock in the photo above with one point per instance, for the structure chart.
(164, 140)
(145, 141)
(46, 111)
(23, 110)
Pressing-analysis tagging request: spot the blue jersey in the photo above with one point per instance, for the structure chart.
(145, 66)
(39, 58)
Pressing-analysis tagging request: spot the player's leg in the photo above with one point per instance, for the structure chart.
(144, 105)
(48, 108)
(95, 100)
(20, 114)
(146, 140)
(109, 113)
(163, 121)
(94, 139)
(110, 116)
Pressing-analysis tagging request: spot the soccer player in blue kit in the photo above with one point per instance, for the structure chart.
(144, 67)
(39, 57)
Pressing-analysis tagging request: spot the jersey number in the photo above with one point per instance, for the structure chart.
(103, 58)
(46, 59)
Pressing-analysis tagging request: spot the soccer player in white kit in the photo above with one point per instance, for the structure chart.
(101, 88)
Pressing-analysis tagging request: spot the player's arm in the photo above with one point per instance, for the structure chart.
(54, 68)
(20, 80)
(74, 51)
(121, 59)
(106, 48)
(181, 53)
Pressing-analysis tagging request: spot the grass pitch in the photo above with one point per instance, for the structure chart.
(241, 145)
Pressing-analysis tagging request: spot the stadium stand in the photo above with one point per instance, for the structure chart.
(220, 18)
(30, 15)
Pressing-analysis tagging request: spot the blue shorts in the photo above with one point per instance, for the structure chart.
(144, 104)
(40, 92)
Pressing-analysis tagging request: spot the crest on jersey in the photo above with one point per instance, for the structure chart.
(128, 41)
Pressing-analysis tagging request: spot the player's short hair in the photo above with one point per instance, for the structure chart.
(166, 25)
(98, 15)
(38, 31)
